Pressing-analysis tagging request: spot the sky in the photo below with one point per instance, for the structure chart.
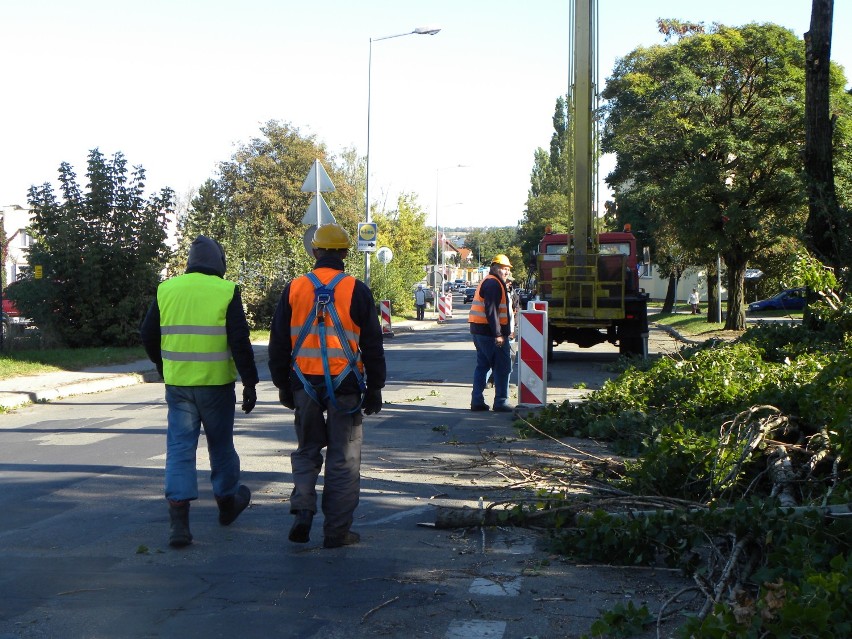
(455, 118)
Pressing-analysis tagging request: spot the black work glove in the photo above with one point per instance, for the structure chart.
(249, 398)
(285, 396)
(372, 401)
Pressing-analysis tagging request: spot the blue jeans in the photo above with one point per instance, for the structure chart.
(190, 407)
(340, 433)
(498, 359)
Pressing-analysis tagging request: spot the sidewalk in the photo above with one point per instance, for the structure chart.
(20, 391)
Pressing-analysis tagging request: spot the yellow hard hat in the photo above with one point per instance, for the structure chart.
(502, 260)
(330, 236)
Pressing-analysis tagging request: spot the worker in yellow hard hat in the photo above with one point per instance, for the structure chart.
(327, 359)
(491, 327)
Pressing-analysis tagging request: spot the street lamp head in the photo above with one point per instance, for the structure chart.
(426, 30)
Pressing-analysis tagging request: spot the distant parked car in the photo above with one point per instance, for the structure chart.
(469, 292)
(13, 322)
(793, 299)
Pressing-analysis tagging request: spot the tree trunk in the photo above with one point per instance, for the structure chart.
(735, 320)
(713, 292)
(671, 294)
(823, 212)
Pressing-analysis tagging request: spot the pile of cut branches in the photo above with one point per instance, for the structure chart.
(738, 474)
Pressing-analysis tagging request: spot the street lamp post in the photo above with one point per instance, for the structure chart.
(417, 31)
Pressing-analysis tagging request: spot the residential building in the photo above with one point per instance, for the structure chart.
(16, 219)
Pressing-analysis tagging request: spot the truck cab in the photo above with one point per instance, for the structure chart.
(593, 296)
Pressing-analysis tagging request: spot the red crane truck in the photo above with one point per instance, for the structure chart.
(590, 281)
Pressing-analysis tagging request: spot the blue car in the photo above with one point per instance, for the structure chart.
(793, 299)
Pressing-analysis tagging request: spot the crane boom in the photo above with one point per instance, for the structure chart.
(584, 160)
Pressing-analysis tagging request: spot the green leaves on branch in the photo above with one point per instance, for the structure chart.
(101, 252)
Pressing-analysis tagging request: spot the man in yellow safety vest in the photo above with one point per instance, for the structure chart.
(196, 334)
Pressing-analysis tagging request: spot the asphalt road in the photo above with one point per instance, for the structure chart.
(84, 527)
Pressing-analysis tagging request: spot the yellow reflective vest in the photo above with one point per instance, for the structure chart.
(193, 340)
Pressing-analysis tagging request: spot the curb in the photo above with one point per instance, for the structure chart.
(101, 381)
(675, 334)
(91, 386)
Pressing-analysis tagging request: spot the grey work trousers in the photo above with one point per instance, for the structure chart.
(340, 433)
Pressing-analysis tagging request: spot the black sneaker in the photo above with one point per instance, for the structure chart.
(479, 407)
(347, 539)
(505, 408)
(231, 506)
(300, 532)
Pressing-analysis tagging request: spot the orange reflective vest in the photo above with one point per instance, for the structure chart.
(477, 308)
(308, 356)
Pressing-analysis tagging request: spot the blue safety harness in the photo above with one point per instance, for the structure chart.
(324, 306)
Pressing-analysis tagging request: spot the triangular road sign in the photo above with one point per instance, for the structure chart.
(318, 218)
(317, 175)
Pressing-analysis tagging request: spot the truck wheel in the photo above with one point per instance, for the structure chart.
(631, 344)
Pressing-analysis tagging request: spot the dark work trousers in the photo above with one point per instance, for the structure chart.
(497, 359)
(340, 433)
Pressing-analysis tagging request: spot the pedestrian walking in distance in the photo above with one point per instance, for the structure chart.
(694, 301)
(196, 334)
(420, 302)
(327, 358)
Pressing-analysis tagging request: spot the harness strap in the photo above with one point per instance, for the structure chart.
(324, 304)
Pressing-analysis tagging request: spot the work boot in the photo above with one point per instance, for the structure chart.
(346, 539)
(301, 529)
(503, 408)
(179, 535)
(231, 506)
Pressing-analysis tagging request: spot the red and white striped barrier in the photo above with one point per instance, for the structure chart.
(445, 309)
(532, 362)
(449, 297)
(537, 305)
(385, 308)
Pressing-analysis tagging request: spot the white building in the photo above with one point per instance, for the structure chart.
(16, 219)
(656, 287)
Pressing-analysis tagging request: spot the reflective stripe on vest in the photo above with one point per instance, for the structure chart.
(193, 338)
(477, 308)
(309, 357)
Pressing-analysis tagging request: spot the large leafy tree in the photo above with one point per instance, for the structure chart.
(487, 242)
(255, 209)
(100, 253)
(404, 231)
(708, 133)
